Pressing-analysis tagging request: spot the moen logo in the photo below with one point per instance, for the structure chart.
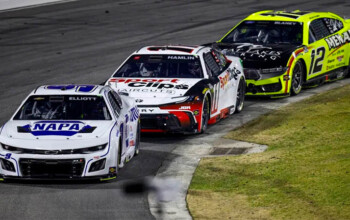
(60, 128)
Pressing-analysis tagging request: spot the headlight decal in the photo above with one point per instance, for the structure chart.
(86, 166)
(109, 139)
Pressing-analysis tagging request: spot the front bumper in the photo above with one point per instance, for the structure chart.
(73, 166)
(274, 86)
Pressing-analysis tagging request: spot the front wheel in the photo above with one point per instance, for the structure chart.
(119, 156)
(205, 114)
(240, 95)
(347, 72)
(138, 137)
(297, 78)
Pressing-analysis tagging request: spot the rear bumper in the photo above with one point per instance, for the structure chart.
(176, 122)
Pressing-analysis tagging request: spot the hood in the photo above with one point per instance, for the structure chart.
(259, 56)
(154, 91)
(23, 130)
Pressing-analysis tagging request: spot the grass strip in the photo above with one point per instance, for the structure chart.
(304, 174)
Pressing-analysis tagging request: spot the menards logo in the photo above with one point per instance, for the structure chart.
(338, 40)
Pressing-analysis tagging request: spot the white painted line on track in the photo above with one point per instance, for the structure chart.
(14, 5)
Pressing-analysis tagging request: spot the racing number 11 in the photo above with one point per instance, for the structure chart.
(316, 66)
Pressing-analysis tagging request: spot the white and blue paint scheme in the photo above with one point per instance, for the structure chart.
(70, 132)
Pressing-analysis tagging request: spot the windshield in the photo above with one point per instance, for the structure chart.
(266, 32)
(63, 107)
(161, 66)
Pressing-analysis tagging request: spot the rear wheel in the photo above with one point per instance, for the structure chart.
(240, 96)
(205, 114)
(297, 78)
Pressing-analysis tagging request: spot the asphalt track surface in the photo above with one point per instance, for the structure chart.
(84, 42)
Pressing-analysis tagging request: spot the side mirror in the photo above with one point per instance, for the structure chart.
(305, 48)
(214, 80)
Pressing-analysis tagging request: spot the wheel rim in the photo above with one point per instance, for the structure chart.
(297, 78)
(205, 115)
(240, 96)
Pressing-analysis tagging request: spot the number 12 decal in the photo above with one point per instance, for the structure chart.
(316, 66)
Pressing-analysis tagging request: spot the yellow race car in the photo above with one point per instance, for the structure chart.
(284, 51)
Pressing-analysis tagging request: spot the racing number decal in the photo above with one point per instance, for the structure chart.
(216, 98)
(316, 66)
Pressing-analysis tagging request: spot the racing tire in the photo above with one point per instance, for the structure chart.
(240, 95)
(138, 137)
(119, 155)
(205, 115)
(347, 73)
(297, 78)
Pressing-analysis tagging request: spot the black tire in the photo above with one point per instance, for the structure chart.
(119, 153)
(240, 95)
(297, 78)
(205, 114)
(138, 137)
(347, 73)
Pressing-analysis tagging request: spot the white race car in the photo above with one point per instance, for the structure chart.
(181, 88)
(70, 132)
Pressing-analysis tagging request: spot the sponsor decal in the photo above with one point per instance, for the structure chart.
(330, 60)
(196, 112)
(117, 80)
(338, 40)
(185, 107)
(224, 80)
(8, 156)
(147, 90)
(258, 51)
(286, 77)
(113, 170)
(85, 98)
(134, 114)
(333, 25)
(181, 58)
(60, 128)
(234, 72)
(285, 23)
(78, 88)
(340, 64)
(330, 67)
(138, 100)
(132, 143)
(151, 85)
(340, 58)
(147, 110)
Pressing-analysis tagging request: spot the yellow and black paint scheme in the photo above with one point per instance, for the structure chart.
(322, 52)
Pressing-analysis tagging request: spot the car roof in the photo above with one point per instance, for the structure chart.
(171, 49)
(297, 15)
(70, 89)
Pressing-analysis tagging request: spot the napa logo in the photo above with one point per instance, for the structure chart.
(60, 128)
